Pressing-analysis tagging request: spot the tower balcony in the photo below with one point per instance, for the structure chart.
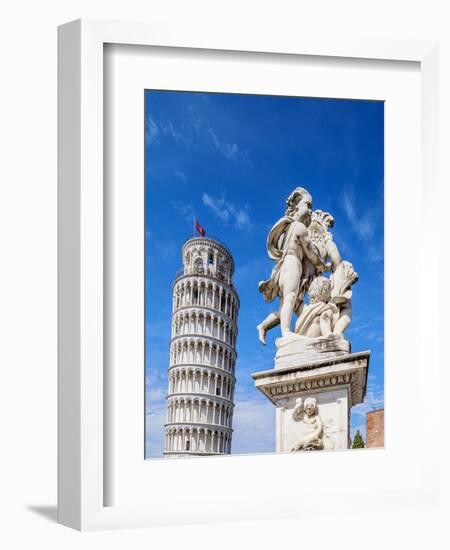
(203, 272)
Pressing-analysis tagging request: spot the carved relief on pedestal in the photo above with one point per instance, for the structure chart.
(312, 432)
(310, 426)
(312, 420)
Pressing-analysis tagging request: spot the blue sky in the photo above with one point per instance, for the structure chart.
(231, 161)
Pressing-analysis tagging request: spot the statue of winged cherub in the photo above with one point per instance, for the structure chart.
(302, 246)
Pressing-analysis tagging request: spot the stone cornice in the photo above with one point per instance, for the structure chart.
(207, 309)
(199, 426)
(348, 370)
(201, 396)
(218, 370)
(193, 337)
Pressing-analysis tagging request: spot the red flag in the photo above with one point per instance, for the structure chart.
(199, 228)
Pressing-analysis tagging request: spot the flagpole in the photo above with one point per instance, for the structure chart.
(193, 226)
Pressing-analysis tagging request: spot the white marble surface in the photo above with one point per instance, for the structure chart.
(294, 350)
(337, 384)
(333, 410)
(302, 246)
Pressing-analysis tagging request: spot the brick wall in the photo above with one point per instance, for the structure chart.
(375, 428)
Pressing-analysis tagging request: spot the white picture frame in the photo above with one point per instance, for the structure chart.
(83, 484)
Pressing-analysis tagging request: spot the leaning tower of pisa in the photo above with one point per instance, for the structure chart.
(202, 352)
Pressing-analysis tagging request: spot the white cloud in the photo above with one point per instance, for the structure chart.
(374, 400)
(157, 395)
(155, 131)
(185, 210)
(152, 131)
(185, 133)
(348, 205)
(230, 151)
(227, 212)
(193, 132)
(254, 425)
(179, 136)
(214, 138)
(374, 336)
(154, 432)
(181, 175)
(362, 225)
(242, 219)
(372, 331)
(219, 207)
(375, 254)
(156, 392)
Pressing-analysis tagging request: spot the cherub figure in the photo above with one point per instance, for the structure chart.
(321, 236)
(329, 310)
(310, 423)
(289, 244)
(342, 279)
(319, 317)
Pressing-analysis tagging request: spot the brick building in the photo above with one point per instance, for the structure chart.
(375, 428)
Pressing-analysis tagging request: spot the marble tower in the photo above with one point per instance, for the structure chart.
(202, 352)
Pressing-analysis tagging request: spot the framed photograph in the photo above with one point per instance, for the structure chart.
(209, 324)
(235, 314)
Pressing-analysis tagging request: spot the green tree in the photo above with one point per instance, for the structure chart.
(358, 441)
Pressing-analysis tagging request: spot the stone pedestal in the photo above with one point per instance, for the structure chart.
(337, 383)
(294, 350)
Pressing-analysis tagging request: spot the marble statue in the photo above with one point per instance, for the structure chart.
(316, 378)
(319, 316)
(322, 238)
(342, 280)
(289, 244)
(329, 308)
(303, 248)
(310, 426)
